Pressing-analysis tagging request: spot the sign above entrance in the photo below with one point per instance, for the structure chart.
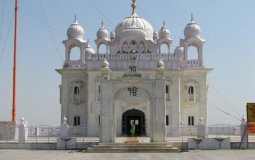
(132, 73)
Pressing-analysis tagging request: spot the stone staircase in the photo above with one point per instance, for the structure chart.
(133, 147)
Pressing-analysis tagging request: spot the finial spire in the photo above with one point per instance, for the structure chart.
(75, 19)
(192, 17)
(133, 6)
(102, 24)
(164, 23)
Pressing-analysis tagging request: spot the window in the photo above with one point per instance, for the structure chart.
(99, 120)
(167, 93)
(191, 120)
(76, 121)
(125, 47)
(191, 95)
(98, 92)
(167, 89)
(77, 94)
(60, 94)
(133, 47)
(167, 120)
(141, 47)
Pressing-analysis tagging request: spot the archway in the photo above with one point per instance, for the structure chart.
(136, 116)
(75, 54)
(192, 53)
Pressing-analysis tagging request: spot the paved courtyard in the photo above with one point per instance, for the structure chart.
(74, 155)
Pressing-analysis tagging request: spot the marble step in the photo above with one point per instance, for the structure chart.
(132, 146)
(122, 147)
(121, 150)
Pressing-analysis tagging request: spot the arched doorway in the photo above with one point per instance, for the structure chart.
(136, 116)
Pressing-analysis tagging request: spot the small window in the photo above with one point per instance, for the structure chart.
(98, 92)
(60, 94)
(191, 95)
(167, 120)
(167, 89)
(77, 94)
(191, 120)
(99, 120)
(133, 43)
(167, 93)
(76, 121)
(76, 90)
(191, 90)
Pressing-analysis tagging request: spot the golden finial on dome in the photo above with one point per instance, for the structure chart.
(133, 6)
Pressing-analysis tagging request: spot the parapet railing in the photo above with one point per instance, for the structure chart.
(131, 57)
(120, 61)
(49, 134)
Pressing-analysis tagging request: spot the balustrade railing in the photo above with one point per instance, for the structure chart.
(146, 61)
(49, 134)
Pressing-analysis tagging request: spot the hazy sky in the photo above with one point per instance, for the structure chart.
(228, 26)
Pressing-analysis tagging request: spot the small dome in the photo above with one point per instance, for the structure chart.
(102, 33)
(164, 33)
(192, 29)
(178, 52)
(89, 50)
(105, 64)
(160, 64)
(75, 31)
(112, 35)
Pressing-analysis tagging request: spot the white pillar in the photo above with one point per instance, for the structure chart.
(201, 129)
(23, 131)
(64, 128)
(107, 127)
(159, 112)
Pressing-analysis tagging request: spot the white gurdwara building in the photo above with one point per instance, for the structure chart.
(134, 81)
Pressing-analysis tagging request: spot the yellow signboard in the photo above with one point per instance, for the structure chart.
(251, 118)
(250, 112)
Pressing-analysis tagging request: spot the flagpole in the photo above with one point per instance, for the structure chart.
(14, 63)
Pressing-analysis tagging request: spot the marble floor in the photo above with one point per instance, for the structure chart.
(75, 155)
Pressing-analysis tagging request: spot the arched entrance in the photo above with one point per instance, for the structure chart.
(136, 116)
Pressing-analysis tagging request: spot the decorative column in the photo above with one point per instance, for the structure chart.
(107, 120)
(158, 112)
(159, 106)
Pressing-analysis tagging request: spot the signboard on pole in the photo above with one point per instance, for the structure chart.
(251, 118)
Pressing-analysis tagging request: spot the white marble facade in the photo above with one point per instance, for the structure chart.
(135, 78)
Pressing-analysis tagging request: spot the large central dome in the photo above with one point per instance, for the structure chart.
(134, 24)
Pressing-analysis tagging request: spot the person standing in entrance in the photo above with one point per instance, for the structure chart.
(132, 130)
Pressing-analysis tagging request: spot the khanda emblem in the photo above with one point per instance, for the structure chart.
(133, 91)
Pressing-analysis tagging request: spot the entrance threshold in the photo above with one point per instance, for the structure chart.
(132, 139)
